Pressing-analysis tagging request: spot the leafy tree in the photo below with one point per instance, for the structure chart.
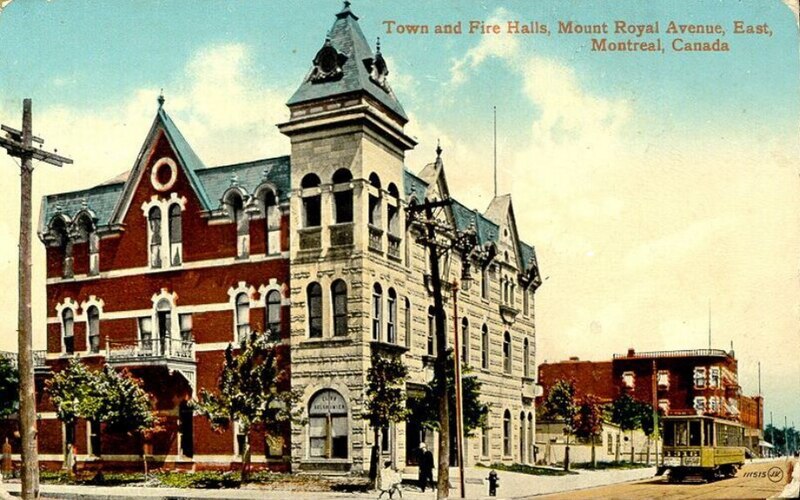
(627, 413)
(116, 399)
(386, 401)
(475, 413)
(9, 388)
(588, 422)
(560, 405)
(251, 391)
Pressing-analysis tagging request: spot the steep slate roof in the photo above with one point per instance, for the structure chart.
(188, 157)
(348, 39)
(249, 175)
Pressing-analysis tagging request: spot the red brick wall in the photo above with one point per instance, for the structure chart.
(590, 377)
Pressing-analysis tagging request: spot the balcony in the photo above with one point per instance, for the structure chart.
(341, 234)
(375, 239)
(310, 238)
(508, 313)
(177, 355)
(394, 247)
(39, 360)
(529, 389)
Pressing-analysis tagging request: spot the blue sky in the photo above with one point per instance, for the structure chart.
(650, 185)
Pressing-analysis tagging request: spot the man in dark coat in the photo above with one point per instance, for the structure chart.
(425, 467)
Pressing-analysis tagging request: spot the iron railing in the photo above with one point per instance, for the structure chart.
(673, 354)
(166, 348)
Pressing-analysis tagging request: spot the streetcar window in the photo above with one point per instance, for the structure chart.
(708, 433)
(694, 433)
(669, 434)
(681, 434)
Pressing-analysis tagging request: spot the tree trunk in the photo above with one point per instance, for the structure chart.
(648, 450)
(594, 456)
(566, 455)
(245, 472)
(374, 463)
(616, 449)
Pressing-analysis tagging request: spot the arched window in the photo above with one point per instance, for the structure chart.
(391, 317)
(375, 200)
(242, 316)
(314, 296)
(68, 330)
(484, 441)
(312, 215)
(377, 311)
(525, 303)
(175, 235)
(485, 347)
(88, 233)
(485, 283)
(393, 211)
(513, 298)
(154, 235)
(507, 352)
(339, 294)
(526, 353)
(272, 219)
(407, 319)
(242, 223)
(64, 244)
(274, 314)
(505, 291)
(93, 330)
(507, 433)
(431, 331)
(522, 457)
(328, 428)
(465, 340)
(531, 457)
(342, 196)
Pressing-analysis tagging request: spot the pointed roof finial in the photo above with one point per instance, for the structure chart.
(378, 46)
(438, 149)
(161, 99)
(346, 11)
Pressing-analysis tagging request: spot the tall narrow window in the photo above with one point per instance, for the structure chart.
(164, 324)
(431, 331)
(526, 353)
(342, 196)
(525, 303)
(485, 283)
(64, 244)
(242, 316)
(465, 340)
(407, 319)
(375, 201)
(93, 320)
(145, 334)
(242, 222)
(68, 330)
(484, 442)
(274, 314)
(507, 433)
(154, 225)
(312, 215)
(391, 317)
(184, 347)
(314, 295)
(485, 347)
(531, 457)
(377, 311)
(513, 297)
(339, 294)
(175, 235)
(522, 437)
(507, 352)
(505, 291)
(88, 234)
(273, 222)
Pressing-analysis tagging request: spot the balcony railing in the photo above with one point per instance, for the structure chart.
(394, 247)
(673, 354)
(148, 351)
(375, 239)
(39, 358)
(342, 234)
(310, 238)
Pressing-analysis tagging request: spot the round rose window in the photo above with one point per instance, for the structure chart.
(164, 174)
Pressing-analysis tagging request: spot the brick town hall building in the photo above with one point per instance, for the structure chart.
(160, 269)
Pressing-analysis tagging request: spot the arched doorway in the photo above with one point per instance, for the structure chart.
(329, 433)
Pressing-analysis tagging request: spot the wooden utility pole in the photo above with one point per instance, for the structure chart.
(19, 144)
(457, 380)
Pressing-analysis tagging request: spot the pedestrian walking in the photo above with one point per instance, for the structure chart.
(425, 467)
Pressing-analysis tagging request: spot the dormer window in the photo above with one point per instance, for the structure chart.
(273, 223)
(88, 234)
(242, 223)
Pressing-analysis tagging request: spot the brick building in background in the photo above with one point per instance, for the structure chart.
(159, 269)
(700, 381)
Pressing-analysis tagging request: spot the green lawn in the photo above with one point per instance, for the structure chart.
(527, 469)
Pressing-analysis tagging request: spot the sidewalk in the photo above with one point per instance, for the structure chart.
(512, 485)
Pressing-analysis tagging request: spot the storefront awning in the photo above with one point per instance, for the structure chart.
(765, 444)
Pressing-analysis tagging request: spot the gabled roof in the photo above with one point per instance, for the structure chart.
(348, 39)
(188, 157)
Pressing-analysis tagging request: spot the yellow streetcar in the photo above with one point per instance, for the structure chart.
(698, 447)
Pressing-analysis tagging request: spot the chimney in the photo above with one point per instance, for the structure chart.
(574, 358)
(631, 352)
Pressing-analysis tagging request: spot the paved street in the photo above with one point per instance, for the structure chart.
(741, 486)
